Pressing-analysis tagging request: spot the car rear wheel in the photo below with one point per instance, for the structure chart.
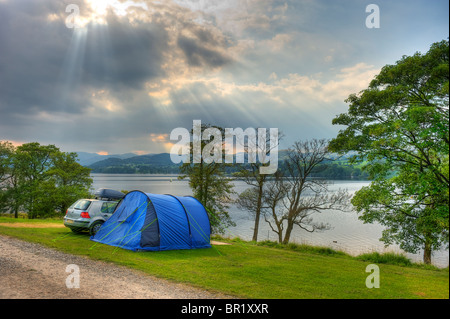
(95, 227)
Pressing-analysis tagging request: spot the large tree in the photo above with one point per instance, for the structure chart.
(398, 127)
(251, 199)
(40, 179)
(31, 162)
(67, 180)
(207, 178)
(292, 198)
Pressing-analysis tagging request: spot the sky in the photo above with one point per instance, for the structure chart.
(129, 72)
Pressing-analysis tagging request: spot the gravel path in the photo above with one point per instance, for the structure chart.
(32, 271)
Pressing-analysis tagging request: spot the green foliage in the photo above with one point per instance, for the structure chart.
(399, 128)
(67, 180)
(303, 248)
(386, 258)
(210, 185)
(41, 180)
(339, 171)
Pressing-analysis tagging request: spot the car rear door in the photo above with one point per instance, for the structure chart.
(74, 211)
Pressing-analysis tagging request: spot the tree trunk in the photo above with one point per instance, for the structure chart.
(257, 214)
(287, 235)
(256, 227)
(427, 252)
(280, 237)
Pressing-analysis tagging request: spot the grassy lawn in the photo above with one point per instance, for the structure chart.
(247, 270)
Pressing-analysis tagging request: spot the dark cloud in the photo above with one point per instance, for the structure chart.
(198, 55)
(123, 54)
(44, 66)
(30, 55)
(47, 67)
(49, 73)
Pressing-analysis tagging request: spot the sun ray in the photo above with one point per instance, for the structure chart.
(100, 8)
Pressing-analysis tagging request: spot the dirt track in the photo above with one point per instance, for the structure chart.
(31, 271)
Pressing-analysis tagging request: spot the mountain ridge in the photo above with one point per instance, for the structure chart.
(86, 158)
(130, 163)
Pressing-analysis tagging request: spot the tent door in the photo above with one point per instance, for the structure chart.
(150, 229)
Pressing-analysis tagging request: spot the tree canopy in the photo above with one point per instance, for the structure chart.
(209, 182)
(399, 128)
(40, 179)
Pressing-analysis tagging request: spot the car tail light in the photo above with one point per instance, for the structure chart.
(67, 211)
(85, 215)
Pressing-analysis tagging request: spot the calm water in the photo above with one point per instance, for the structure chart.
(347, 234)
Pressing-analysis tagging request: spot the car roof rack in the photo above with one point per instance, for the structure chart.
(108, 194)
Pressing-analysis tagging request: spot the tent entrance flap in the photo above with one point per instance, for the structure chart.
(150, 230)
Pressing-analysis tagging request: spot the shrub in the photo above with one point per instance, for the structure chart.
(302, 248)
(386, 258)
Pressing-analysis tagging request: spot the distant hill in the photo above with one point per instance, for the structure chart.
(162, 164)
(142, 164)
(87, 159)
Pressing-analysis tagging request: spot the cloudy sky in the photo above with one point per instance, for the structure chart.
(131, 72)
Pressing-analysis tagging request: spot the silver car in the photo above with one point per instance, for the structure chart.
(90, 214)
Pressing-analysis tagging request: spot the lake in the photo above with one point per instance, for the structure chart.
(348, 233)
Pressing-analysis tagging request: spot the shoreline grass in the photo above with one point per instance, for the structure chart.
(262, 270)
(389, 258)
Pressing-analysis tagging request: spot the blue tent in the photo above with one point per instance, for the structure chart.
(154, 222)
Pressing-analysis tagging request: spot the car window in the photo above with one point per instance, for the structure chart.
(82, 204)
(108, 207)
